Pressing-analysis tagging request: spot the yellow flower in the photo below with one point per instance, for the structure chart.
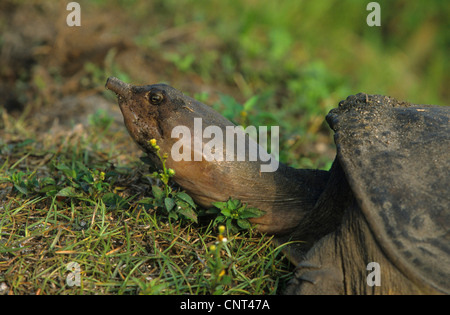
(221, 229)
(152, 142)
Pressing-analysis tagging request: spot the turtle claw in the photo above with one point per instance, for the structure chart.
(311, 278)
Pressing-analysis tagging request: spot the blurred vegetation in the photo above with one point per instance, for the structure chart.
(302, 57)
(281, 44)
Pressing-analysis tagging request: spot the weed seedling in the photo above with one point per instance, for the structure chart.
(217, 265)
(234, 214)
(175, 203)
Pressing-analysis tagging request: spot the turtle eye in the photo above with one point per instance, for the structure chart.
(155, 97)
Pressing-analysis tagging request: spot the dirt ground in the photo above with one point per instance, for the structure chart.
(44, 62)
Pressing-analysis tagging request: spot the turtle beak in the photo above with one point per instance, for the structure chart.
(122, 89)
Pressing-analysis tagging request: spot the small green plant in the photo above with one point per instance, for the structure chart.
(175, 203)
(72, 180)
(26, 184)
(152, 287)
(217, 265)
(78, 180)
(249, 112)
(234, 214)
(83, 183)
(182, 62)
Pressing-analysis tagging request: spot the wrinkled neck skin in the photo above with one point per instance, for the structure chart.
(286, 195)
(334, 195)
(280, 194)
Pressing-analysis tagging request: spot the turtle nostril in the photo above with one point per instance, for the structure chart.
(117, 86)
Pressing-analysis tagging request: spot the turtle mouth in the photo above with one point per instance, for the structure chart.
(121, 88)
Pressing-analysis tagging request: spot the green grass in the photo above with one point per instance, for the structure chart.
(57, 209)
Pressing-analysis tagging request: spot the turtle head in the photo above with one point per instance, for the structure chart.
(145, 107)
(181, 124)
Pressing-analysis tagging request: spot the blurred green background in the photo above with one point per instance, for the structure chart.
(275, 45)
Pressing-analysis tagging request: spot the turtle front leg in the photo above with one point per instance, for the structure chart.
(320, 272)
(337, 264)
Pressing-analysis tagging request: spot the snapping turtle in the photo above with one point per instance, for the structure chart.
(384, 205)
